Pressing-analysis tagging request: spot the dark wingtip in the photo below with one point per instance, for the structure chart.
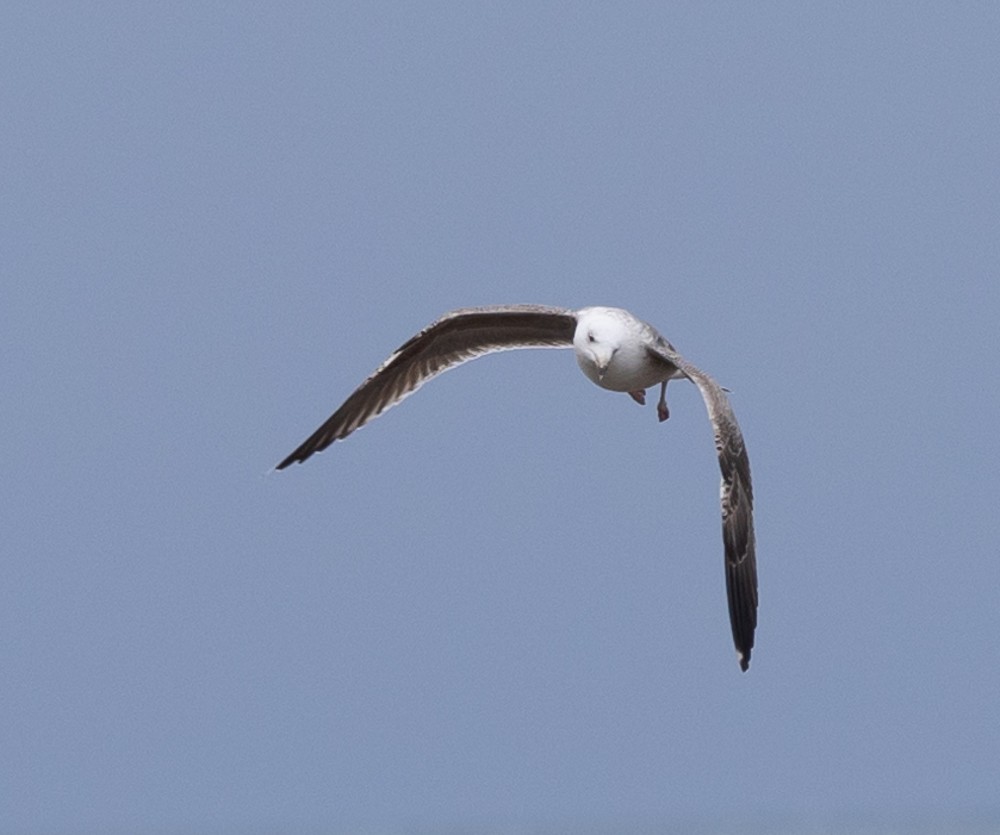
(311, 445)
(741, 588)
(296, 457)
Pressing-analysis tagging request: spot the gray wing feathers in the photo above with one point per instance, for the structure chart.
(455, 338)
(736, 496)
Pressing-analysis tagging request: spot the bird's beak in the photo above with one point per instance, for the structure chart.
(602, 363)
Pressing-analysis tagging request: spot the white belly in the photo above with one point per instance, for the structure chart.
(630, 369)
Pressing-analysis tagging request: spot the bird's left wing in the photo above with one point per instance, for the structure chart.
(736, 494)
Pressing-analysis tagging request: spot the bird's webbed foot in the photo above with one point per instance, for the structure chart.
(638, 396)
(662, 412)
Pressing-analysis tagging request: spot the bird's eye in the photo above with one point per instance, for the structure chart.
(591, 337)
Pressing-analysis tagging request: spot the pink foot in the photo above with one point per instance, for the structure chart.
(638, 396)
(662, 412)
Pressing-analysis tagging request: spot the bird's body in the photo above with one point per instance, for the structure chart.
(630, 366)
(616, 351)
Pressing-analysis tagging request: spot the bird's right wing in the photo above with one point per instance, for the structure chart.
(455, 338)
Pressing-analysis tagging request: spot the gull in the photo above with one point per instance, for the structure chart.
(615, 350)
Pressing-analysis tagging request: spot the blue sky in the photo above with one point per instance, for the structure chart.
(501, 606)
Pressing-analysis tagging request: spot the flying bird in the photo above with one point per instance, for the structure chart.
(616, 351)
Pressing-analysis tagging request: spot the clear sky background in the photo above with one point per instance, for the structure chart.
(499, 608)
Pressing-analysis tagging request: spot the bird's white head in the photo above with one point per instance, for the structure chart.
(600, 332)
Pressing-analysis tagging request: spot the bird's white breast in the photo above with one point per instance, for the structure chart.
(630, 369)
(617, 337)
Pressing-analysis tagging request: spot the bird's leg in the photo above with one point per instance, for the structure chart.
(662, 412)
(638, 396)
